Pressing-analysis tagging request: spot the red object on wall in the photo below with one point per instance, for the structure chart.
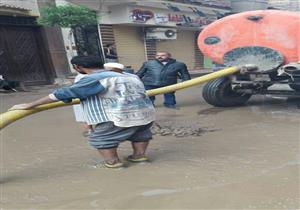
(141, 15)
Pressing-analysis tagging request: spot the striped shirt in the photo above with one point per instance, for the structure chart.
(110, 96)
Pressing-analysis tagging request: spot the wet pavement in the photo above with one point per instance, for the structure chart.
(202, 157)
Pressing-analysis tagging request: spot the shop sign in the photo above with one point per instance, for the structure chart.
(141, 16)
(175, 18)
(186, 20)
(208, 3)
(161, 18)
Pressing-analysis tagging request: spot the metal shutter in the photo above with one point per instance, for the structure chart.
(130, 46)
(182, 48)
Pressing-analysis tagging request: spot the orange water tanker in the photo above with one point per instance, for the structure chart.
(269, 39)
(278, 30)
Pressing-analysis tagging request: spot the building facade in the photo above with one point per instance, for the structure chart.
(30, 52)
(38, 55)
(141, 28)
(290, 5)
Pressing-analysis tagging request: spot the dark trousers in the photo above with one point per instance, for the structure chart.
(169, 97)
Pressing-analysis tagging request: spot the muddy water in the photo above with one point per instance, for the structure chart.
(241, 158)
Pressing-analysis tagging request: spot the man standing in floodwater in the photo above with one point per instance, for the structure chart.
(123, 119)
(161, 72)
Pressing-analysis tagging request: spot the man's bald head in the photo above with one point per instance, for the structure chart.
(163, 56)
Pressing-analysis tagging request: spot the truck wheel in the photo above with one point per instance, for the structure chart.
(295, 87)
(219, 92)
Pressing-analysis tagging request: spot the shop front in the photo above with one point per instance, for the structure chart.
(141, 29)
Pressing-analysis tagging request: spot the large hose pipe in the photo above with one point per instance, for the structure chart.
(12, 116)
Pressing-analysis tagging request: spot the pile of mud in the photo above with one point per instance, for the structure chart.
(179, 129)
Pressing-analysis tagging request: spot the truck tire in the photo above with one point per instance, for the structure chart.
(219, 93)
(295, 87)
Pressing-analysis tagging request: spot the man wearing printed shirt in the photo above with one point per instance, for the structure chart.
(114, 103)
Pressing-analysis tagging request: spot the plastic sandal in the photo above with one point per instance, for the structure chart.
(139, 159)
(115, 165)
(86, 133)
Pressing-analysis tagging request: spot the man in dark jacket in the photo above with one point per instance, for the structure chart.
(163, 71)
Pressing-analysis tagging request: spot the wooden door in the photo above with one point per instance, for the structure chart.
(21, 55)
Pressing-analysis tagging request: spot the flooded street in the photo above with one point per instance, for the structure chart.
(202, 157)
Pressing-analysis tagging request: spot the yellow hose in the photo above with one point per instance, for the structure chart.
(193, 82)
(12, 116)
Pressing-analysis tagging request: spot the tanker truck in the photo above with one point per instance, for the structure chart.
(268, 39)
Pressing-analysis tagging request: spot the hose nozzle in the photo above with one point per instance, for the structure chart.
(248, 68)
